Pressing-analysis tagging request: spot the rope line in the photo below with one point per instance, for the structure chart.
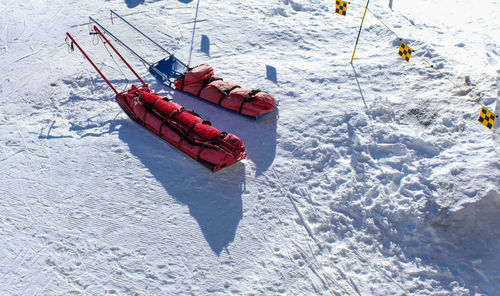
(95, 41)
(475, 100)
(117, 65)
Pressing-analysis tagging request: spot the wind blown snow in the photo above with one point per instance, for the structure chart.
(369, 179)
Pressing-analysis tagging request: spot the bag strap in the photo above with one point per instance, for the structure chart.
(205, 83)
(248, 98)
(160, 99)
(226, 93)
(190, 130)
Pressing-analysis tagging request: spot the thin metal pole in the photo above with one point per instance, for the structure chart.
(113, 12)
(359, 32)
(92, 63)
(194, 29)
(116, 51)
(146, 36)
(119, 41)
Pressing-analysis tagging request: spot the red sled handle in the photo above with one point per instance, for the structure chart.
(90, 60)
(105, 41)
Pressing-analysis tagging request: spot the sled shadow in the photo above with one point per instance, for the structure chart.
(214, 199)
(259, 136)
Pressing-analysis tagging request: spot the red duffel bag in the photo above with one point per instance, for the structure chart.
(201, 82)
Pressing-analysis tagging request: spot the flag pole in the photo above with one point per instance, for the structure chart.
(359, 32)
(194, 29)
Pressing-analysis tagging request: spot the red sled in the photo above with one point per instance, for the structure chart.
(204, 84)
(182, 128)
(201, 81)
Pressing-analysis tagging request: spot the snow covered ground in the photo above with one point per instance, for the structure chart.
(371, 179)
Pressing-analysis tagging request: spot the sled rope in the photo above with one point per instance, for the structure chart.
(116, 63)
(95, 39)
(71, 48)
(186, 133)
(120, 42)
(168, 119)
(105, 41)
(203, 146)
(96, 36)
(184, 136)
(91, 62)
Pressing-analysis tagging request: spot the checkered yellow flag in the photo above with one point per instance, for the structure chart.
(341, 7)
(405, 52)
(486, 118)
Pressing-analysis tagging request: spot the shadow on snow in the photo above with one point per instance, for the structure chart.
(133, 3)
(259, 136)
(214, 199)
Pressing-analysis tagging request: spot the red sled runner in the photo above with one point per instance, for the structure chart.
(201, 82)
(182, 128)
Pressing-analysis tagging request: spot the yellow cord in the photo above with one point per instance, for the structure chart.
(425, 60)
(359, 32)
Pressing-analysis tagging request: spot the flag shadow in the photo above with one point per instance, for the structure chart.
(360, 90)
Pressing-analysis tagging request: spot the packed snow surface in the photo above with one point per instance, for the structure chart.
(369, 179)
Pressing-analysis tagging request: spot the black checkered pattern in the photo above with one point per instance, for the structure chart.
(486, 118)
(341, 7)
(405, 52)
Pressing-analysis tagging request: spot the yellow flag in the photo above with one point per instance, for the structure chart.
(341, 7)
(486, 118)
(405, 52)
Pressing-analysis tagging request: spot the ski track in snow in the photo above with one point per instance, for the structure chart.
(370, 179)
